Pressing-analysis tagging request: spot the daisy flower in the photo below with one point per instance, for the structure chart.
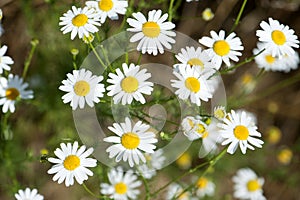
(11, 90)
(81, 21)
(184, 161)
(220, 112)
(122, 186)
(5, 61)
(247, 185)
(207, 14)
(238, 129)
(154, 162)
(194, 58)
(290, 62)
(277, 38)
(193, 84)
(28, 194)
(174, 190)
(130, 141)
(108, 8)
(129, 85)
(210, 138)
(71, 163)
(198, 129)
(153, 33)
(82, 87)
(221, 48)
(188, 124)
(204, 187)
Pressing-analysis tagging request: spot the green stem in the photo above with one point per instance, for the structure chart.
(147, 188)
(34, 44)
(126, 58)
(171, 10)
(97, 55)
(236, 23)
(106, 58)
(139, 59)
(180, 177)
(91, 193)
(247, 60)
(211, 164)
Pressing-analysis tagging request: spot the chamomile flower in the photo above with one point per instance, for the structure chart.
(28, 194)
(193, 84)
(131, 139)
(205, 187)
(108, 8)
(123, 186)
(220, 112)
(184, 161)
(239, 129)
(247, 185)
(277, 38)
(154, 162)
(175, 190)
(71, 163)
(79, 21)
(11, 90)
(207, 14)
(194, 58)
(154, 34)
(210, 139)
(289, 63)
(197, 130)
(221, 48)
(130, 84)
(5, 61)
(82, 87)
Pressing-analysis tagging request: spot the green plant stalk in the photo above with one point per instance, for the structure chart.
(147, 197)
(171, 10)
(139, 59)
(180, 177)
(211, 164)
(97, 55)
(126, 58)
(27, 63)
(91, 193)
(236, 23)
(106, 58)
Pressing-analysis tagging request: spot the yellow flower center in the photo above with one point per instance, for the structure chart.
(191, 123)
(82, 88)
(270, 59)
(151, 29)
(253, 185)
(200, 129)
(130, 84)
(79, 20)
(195, 62)
(192, 84)
(278, 37)
(71, 162)
(184, 161)
(105, 5)
(221, 47)
(202, 183)
(130, 140)
(241, 132)
(12, 93)
(204, 135)
(219, 113)
(121, 188)
(285, 156)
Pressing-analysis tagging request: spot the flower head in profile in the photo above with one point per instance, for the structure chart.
(221, 48)
(247, 185)
(194, 58)
(82, 87)
(277, 38)
(108, 8)
(5, 61)
(175, 191)
(153, 33)
(204, 187)
(71, 162)
(28, 194)
(239, 129)
(122, 186)
(11, 90)
(130, 142)
(193, 85)
(79, 21)
(130, 84)
(220, 112)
